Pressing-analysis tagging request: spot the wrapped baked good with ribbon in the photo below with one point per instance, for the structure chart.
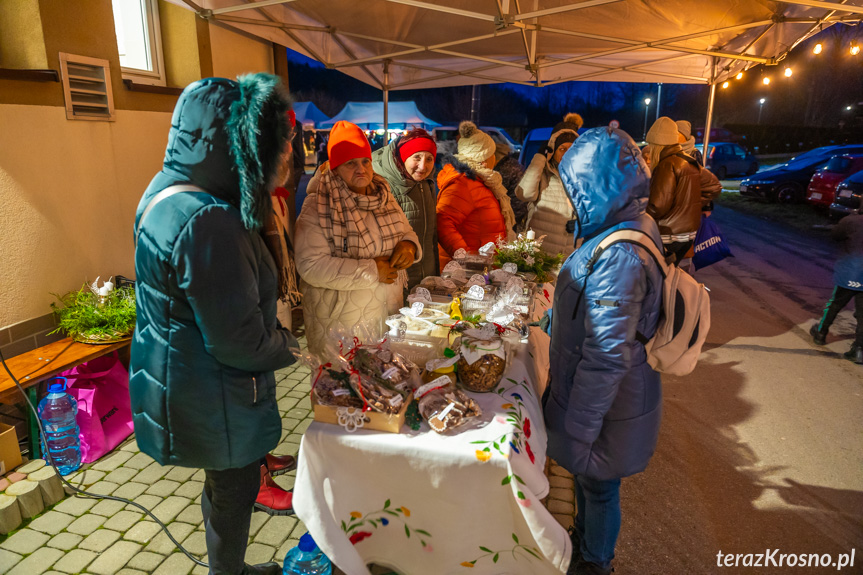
(444, 407)
(455, 272)
(378, 396)
(478, 298)
(511, 306)
(483, 358)
(475, 261)
(435, 289)
(331, 376)
(333, 387)
(387, 368)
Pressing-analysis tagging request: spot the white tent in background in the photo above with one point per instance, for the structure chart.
(401, 44)
(309, 115)
(370, 116)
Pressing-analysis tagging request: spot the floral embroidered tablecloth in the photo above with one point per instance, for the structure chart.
(423, 503)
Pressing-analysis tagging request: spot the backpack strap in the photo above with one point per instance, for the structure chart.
(629, 236)
(624, 236)
(167, 192)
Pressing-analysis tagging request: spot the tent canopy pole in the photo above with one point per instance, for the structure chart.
(386, 102)
(709, 121)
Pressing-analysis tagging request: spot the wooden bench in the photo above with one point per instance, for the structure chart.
(43, 363)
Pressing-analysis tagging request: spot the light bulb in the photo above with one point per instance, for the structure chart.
(766, 81)
(788, 72)
(762, 100)
(647, 101)
(848, 107)
(855, 49)
(725, 84)
(817, 49)
(739, 76)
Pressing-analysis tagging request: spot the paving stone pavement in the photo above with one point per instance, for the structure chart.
(86, 536)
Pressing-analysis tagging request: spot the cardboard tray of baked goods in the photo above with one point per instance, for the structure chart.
(389, 422)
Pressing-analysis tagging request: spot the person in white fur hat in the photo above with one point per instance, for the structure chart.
(675, 190)
(550, 208)
(473, 207)
(710, 185)
(687, 141)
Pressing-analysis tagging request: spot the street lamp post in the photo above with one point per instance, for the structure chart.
(760, 107)
(646, 108)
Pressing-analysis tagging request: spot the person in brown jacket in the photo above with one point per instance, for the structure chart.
(675, 190)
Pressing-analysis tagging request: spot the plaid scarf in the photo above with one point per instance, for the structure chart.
(278, 240)
(341, 215)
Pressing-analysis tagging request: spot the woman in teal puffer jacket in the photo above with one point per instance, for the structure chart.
(207, 340)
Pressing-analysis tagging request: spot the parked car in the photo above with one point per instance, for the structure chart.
(787, 182)
(849, 194)
(717, 135)
(729, 159)
(447, 136)
(822, 186)
(535, 139)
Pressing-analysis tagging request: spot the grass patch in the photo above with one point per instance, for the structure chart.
(801, 217)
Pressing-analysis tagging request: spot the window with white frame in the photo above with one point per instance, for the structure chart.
(139, 41)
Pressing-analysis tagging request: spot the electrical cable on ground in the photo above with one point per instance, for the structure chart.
(85, 493)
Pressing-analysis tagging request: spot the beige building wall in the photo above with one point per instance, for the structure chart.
(69, 188)
(236, 53)
(68, 194)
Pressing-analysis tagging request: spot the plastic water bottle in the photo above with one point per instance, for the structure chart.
(58, 411)
(307, 559)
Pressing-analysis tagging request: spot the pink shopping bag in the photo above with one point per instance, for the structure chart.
(101, 387)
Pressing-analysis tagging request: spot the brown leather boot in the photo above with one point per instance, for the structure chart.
(272, 499)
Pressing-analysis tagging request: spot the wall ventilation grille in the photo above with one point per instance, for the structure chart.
(87, 88)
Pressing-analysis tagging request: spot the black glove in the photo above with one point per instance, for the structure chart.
(544, 322)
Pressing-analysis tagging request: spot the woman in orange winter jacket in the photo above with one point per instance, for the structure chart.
(473, 207)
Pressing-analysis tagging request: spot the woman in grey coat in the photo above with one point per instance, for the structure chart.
(407, 165)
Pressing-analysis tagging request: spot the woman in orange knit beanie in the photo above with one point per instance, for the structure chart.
(353, 242)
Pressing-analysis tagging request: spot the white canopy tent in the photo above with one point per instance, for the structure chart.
(308, 115)
(370, 116)
(400, 44)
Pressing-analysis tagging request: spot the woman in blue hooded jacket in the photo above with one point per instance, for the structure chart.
(603, 403)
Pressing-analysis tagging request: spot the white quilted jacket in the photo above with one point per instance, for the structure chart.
(549, 209)
(340, 290)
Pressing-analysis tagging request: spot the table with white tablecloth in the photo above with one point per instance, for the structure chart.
(423, 503)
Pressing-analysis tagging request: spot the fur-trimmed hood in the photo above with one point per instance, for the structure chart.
(227, 137)
(461, 168)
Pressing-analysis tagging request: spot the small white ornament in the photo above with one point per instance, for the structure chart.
(476, 293)
(420, 294)
(487, 249)
(351, 418)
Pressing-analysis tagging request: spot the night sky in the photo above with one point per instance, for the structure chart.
(817, 95)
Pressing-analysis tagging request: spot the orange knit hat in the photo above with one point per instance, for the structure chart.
(347, 142)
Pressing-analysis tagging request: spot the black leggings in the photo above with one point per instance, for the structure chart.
(227, 504)
(841, 297)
